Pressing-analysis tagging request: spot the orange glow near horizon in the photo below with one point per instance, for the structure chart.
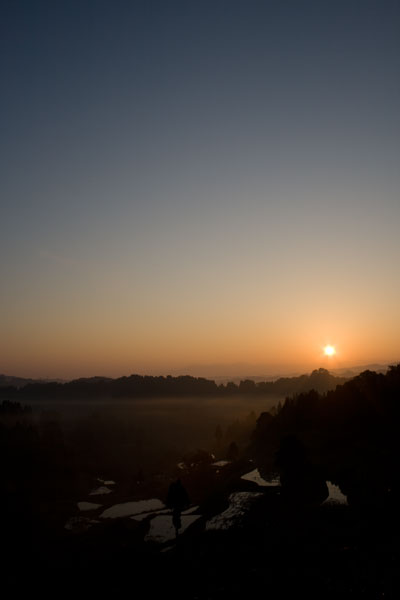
(240, 329)
(246, 348)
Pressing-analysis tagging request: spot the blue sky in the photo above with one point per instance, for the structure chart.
(188, 183)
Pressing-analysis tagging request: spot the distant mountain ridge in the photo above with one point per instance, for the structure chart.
(348, 372)
(142, 386)
(18, 382)
(356, 370)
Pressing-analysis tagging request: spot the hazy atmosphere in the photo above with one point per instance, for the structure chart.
(200, 292)
(198, 187)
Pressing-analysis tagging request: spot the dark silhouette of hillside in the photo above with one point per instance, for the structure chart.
(350, 434)
(139, 386)
(320, 380)
(11, 381)
(289, 543)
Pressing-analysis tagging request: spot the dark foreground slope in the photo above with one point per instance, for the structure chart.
(278, 549)
(287, 541)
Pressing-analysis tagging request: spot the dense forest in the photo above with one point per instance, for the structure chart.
(349, 434)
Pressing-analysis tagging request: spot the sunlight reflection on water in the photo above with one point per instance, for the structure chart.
(335, 495)
(100, 491)
(240, 503)
(255, 477)
(79, 524)
(162, 529)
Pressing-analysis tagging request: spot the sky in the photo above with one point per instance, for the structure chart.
(198, 187)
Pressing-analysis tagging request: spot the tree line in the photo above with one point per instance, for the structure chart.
(350, 434)
(144, 386)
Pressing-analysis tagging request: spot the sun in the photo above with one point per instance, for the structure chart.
(329, 350)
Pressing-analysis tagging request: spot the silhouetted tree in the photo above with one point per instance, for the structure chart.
(300, 481)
